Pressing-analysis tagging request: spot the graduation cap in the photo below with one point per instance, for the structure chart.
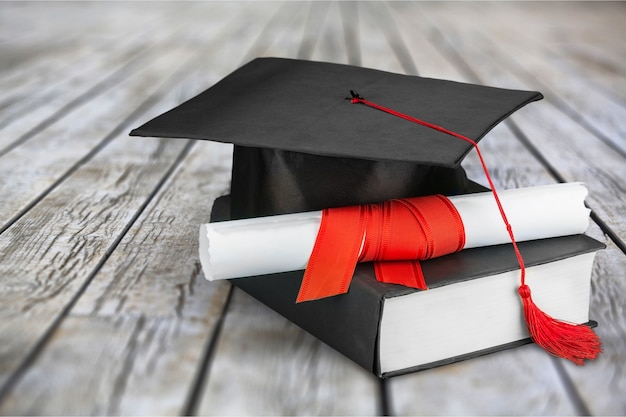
(299, 145)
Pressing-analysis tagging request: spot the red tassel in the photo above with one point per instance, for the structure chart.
(575, 342)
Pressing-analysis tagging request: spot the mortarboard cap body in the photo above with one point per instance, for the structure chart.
(300, 145)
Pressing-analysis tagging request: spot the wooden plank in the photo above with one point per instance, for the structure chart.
(589, 389)
(59, 248)
(35, 107)
(163, 243)
(316, 16)
(252, 374)
(453, 383)
(349, 12)
(39, 49)
(127, 171)
(146, 321)
(544, 63)
(48, 255)
(515, 382)
(328, 36)
(587, 40)
(602, 382)
(148, 363)
(121, 291)
(32, 63)
(560, 403)
(276, 37)
(375, 51)
(25, 182)
(377, 18)
(31, 168)
(86, 350)
(571, 151)
(38, 110)
(265, 365)
(127, 358)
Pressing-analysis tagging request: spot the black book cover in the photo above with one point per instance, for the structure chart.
(349, 323)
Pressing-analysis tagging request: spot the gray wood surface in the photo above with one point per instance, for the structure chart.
(103, 306)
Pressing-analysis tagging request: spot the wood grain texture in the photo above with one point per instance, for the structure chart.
(489, 385)
(121, 178)
(544, 61)
(265, 365)
(570, 150)
(73, 227)
(56, 149)
(62, 239)
(589, 387)
(469, 388)
(59, 78)
(103, 307)
(155, 279)
(129, 364)
(587, 42)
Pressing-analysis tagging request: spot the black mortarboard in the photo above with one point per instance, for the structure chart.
(300, 145)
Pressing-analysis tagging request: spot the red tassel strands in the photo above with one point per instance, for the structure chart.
(575, 342)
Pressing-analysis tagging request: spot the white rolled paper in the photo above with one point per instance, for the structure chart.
(272, 244)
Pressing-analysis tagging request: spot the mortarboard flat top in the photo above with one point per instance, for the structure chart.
(300, 106)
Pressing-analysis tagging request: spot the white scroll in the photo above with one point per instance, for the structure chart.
(273, 244)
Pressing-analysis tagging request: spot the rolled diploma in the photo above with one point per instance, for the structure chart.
(272, 244)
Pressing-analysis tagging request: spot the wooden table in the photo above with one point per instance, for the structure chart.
(104, 308)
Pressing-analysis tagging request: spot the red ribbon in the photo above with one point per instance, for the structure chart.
(395, 234)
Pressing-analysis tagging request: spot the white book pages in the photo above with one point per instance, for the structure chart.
(486, 313)
(273, 244)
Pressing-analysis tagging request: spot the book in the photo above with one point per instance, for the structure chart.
(470, 309)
